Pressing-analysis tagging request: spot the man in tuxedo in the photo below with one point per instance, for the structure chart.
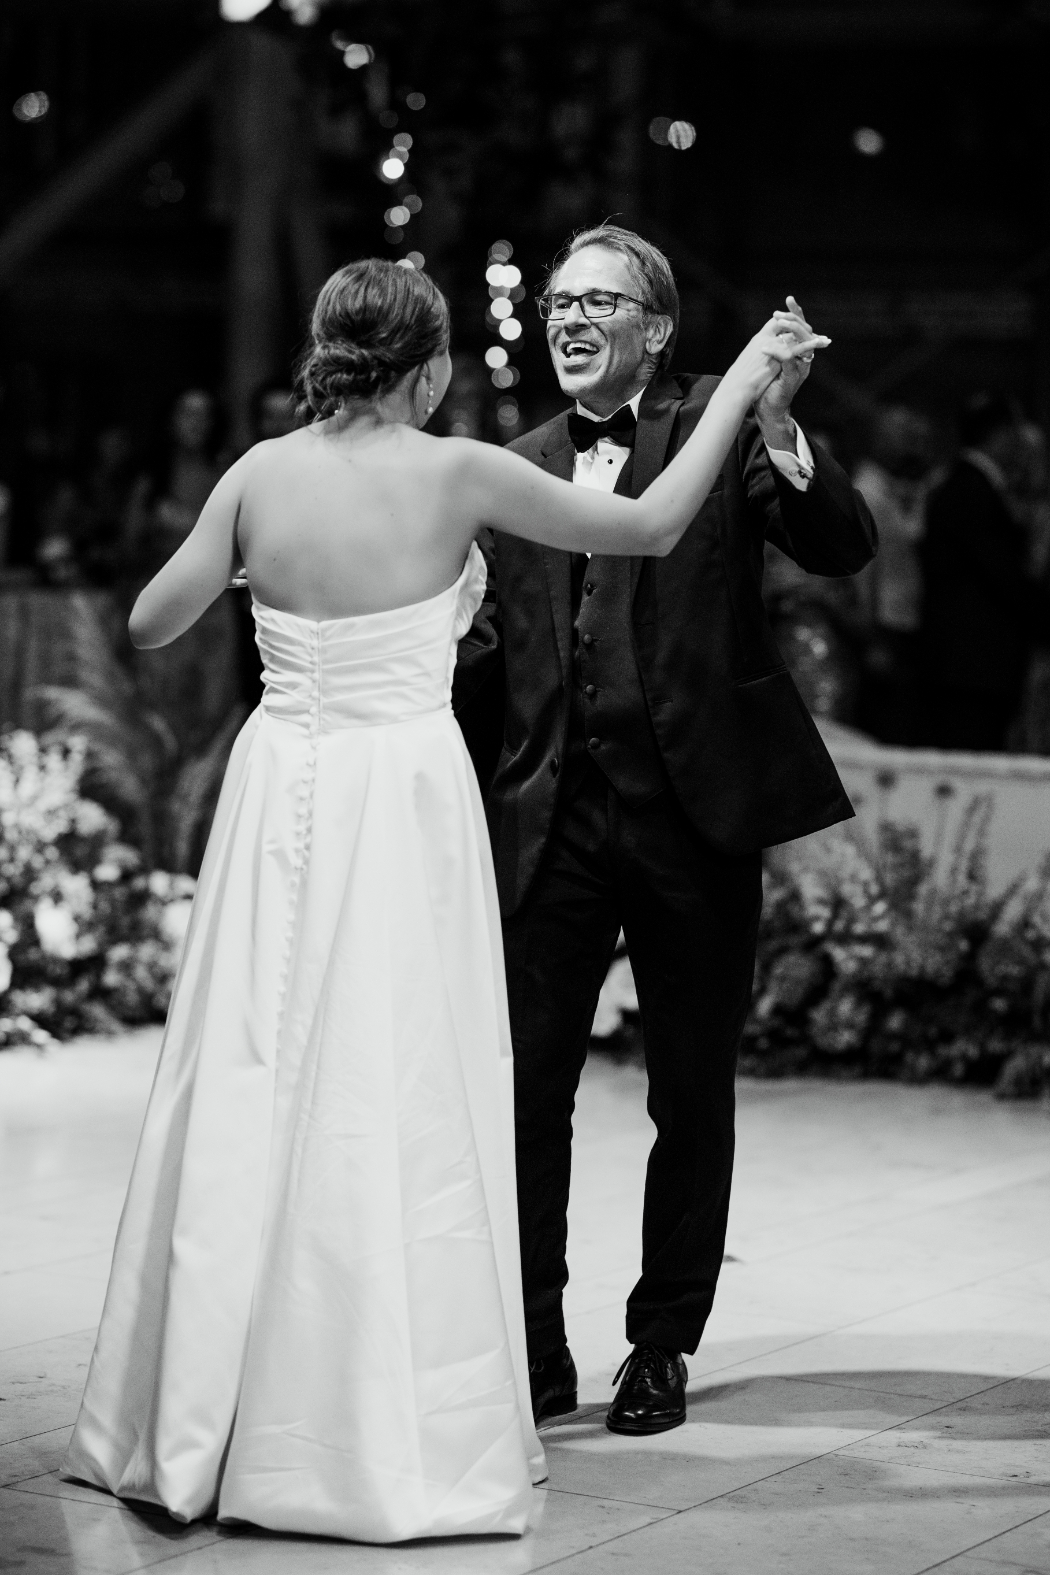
(651, 744)
(981, 611)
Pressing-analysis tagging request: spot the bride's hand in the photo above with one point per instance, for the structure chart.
(787, 337)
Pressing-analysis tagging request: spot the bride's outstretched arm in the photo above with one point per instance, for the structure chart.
(507, 492)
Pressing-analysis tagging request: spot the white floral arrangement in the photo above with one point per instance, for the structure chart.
(89, 939)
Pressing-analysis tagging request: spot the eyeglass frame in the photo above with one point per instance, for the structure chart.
(618, 296)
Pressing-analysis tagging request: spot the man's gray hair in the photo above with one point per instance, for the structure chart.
(656, 285)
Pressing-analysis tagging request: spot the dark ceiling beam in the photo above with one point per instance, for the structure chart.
(131, 140)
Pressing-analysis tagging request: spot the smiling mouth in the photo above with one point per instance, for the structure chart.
(577, 352)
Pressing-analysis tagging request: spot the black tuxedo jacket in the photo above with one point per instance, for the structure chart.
(739, 747)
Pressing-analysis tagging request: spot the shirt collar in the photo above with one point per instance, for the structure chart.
(633, 403)
(986, 465)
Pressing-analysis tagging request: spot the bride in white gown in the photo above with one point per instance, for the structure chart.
(314, 1320)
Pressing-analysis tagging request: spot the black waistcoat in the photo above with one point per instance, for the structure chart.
(610, 720)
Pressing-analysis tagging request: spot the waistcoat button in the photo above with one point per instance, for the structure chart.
(588, 639)
(593, 743)
(590, 691)
(554, 766)
(589, 588)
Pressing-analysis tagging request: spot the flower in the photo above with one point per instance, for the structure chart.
(174, 921)
(56, 928)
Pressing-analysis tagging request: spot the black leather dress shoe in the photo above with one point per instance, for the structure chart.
(552, 1379)
(652, 1396)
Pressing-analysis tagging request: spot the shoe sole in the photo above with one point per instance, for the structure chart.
(558, 1405)
(635, 1429)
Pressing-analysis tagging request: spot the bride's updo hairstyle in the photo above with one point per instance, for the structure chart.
(374, 321)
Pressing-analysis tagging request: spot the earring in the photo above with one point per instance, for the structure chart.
(430, 400)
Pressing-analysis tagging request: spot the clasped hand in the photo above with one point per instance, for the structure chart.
(774, 364)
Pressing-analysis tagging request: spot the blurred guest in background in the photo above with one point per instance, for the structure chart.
(817, 625)
(1030, 502)
(6, 501)
(113, 502)
(893, 480)
(59, 527)
(191, 473)
(982, 610)
(273, 412)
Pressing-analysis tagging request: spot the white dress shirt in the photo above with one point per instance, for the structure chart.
(600, 465)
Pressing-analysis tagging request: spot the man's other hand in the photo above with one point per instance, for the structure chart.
(773, 408)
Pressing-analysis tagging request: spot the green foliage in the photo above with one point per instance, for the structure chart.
(89, 938)
(872, 962)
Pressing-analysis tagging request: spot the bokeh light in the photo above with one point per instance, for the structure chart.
(403, 141)
(501, 252)
(241, 10)
(357, 55)
(868, 141)
(658, 129)
(503, 275)
(495, 356)
(416, 259)
(507, 413)
(30, 107)
(681, 134)
(393, 234)
(501, 307)
(416, 101)
(392, 168)
(399, 214)
(506, 376)
(413, 203)
(510, 329)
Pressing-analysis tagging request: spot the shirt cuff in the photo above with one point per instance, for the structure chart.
(798, 468)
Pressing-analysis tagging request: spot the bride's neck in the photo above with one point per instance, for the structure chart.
(360, 417)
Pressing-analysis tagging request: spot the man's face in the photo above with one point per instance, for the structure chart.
(603, 363)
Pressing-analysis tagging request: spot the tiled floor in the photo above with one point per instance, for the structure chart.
(872, 1396)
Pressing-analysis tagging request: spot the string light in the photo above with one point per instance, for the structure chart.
(416, 101)
(505, 288)
(681, 134)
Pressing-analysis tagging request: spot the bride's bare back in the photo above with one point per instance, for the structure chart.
(337, 522)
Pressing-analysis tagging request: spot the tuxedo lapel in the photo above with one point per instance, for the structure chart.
(558, 456)
(656, 417)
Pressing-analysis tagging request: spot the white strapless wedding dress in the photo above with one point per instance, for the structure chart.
(314, 1317)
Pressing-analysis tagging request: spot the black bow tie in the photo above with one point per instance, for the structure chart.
(620, 427)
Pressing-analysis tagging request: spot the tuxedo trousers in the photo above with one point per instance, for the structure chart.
(690, 919)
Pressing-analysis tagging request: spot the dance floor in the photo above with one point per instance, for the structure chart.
(872, 1395)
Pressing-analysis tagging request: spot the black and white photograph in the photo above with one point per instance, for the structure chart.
(525, 787)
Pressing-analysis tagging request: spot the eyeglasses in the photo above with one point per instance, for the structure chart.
(592, 303)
